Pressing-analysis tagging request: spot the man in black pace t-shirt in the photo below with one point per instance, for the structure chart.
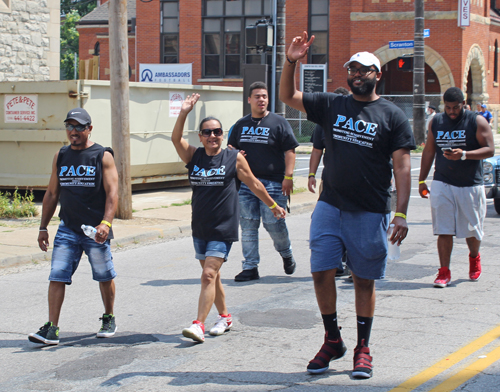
(269, 144)
(84, 180)
(458, 140)
(362, 133)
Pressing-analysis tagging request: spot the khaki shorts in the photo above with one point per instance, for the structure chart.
(458, 211)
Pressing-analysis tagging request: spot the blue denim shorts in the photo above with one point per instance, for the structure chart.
(68, 249)
(204, 249)
(362, 234)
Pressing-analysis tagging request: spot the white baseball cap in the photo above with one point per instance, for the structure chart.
(364, 58)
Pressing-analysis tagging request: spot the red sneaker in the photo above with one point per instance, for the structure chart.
(363, 367)
(443, 277)
(331, 350)
(475, 267)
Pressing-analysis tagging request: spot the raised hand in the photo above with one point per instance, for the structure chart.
(299, 47)
(189, 102)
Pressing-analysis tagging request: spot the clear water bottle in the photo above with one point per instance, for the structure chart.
(393, 250)
(89, 231)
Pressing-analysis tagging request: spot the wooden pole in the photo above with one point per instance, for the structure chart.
(118, 50)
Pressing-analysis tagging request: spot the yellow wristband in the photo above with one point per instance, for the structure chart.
(421, 182)
(106, 223)
(312, 174)
(273, 206)
(288, 178)
(400, 214)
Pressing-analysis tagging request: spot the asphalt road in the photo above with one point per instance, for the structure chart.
(423, 339)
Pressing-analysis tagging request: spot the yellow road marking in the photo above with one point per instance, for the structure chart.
(470, 371)
(448, 362)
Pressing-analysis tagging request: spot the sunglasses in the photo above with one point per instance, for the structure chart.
(79, 128)
(207, 132)
(362, 71)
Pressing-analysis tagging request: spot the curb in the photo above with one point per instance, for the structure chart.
(166, 233)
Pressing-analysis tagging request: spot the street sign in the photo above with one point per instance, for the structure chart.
(313, 78)
(427, 33)
(401, 44)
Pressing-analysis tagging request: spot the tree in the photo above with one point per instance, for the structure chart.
(69, 44)
(72, 11)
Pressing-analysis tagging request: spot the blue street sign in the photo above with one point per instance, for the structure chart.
(427, 33)
(401, 44)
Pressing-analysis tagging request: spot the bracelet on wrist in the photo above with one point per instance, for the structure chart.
(106, 223)
(290, 61)
(273, 206)
(288, 178)
(421, 182)
(312, 175)
(42, 229)
(400, 214)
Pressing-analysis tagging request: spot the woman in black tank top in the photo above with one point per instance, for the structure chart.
(214, 174)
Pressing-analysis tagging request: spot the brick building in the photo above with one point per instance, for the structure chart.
(210, 34)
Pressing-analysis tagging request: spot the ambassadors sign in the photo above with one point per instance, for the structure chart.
(166, 73)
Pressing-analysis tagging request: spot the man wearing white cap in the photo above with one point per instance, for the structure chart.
(362, 133)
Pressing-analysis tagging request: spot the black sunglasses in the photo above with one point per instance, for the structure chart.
(363, 71)
(207, 132)
(79, 128)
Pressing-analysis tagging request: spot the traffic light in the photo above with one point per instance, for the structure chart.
(405, 64)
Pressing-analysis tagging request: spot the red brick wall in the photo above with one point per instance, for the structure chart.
(346, 37)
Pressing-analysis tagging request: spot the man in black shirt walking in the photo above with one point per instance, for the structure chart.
(85, 181)
(362, 132)
(269, 144)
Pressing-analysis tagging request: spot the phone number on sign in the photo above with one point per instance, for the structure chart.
(23, 118)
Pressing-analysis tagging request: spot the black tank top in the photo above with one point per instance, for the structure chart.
(82, 196)
(215, 205)
(461, 134)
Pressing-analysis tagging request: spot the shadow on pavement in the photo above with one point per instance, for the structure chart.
(228, 378)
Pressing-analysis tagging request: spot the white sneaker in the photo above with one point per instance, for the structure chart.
(196, 332)
(223, 324)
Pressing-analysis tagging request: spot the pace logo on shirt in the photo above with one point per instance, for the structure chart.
(354, 131)
(451, 139)
(255, 135)
(81, 175)
(211, 177)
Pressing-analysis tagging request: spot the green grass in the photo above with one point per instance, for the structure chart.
(184, 203)
(299, 189)
(16, 205)
(419, 148)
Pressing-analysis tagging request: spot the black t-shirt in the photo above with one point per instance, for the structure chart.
(457, 134)
(82, 196)
(215, 205)
(265, 142)
(360, 138)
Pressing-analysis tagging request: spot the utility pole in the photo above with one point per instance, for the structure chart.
(419, 75)
(118, 48)
(279, 107)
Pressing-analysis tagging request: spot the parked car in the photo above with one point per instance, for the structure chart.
(491, 176)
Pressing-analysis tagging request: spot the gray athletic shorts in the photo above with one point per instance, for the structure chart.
(458, 211)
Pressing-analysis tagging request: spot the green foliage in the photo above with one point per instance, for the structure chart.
(73, 12)
(69, 44)
(16, 205)
(184, 203)
(419, 148)
(82, 7)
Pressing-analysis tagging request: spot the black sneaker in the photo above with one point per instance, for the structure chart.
(331, 350)
(48, 334)
(108, 327)
(363, 367)
(289, 265)
(246, 275)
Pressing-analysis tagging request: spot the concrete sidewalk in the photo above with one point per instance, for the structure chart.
(157, 215)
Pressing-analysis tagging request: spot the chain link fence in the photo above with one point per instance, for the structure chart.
(303, 129)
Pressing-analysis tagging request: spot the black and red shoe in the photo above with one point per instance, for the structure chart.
(331, 350)
(363, 367)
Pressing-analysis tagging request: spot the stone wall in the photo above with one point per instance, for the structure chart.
(29, 40)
